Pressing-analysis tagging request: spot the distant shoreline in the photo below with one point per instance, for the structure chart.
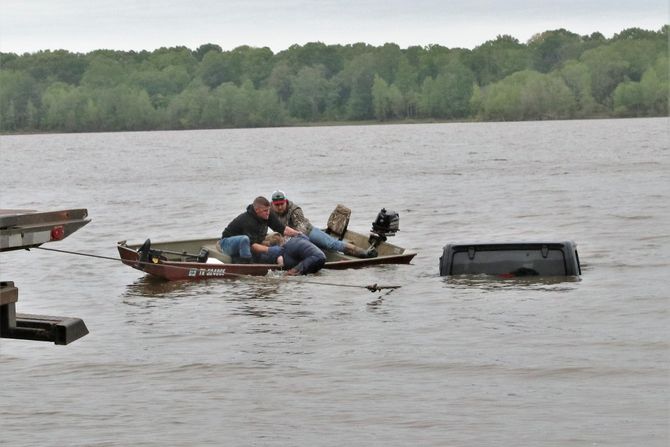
(339, 124)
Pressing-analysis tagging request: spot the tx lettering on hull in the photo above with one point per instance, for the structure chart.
(195, 272)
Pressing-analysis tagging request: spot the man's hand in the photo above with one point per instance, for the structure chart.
(259, 248)
(275, 251)
(290, 232)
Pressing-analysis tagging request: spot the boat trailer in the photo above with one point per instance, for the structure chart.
(24, 229)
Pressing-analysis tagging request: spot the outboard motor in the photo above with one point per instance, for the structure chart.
(387, 224)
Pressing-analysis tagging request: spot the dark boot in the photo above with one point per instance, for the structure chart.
(352, 250)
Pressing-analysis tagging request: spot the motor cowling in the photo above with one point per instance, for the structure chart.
(387, 223)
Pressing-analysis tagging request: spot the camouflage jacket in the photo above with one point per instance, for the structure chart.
(295, 219)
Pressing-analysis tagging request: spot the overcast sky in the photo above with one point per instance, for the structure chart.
(85, 25)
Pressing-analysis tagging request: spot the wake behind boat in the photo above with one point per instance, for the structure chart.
(203, 258)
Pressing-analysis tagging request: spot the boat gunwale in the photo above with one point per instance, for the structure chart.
(342, 262)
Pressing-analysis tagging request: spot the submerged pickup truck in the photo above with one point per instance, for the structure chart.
(511, 259)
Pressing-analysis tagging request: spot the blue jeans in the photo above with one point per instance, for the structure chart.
(325, 241)
(236, 246)
(300, 254)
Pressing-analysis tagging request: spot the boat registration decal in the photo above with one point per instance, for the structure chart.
(206, 272)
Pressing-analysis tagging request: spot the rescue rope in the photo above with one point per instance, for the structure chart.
(82, 254)
(372, 288)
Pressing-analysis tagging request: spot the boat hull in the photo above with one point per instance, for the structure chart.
(178, 270)
(179, 259)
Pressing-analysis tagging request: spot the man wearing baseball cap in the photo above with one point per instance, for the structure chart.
(292, 216)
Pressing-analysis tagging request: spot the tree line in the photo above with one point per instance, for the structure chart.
(555, 75)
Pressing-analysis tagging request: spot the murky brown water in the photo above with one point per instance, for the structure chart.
(458, 362)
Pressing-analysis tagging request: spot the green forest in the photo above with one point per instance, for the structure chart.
(555, 75)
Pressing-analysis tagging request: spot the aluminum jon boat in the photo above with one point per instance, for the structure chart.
(197, 259)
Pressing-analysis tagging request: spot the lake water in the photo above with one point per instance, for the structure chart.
(281, 362)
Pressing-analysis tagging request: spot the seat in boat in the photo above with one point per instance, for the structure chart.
(338, 222)
(215, 252)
